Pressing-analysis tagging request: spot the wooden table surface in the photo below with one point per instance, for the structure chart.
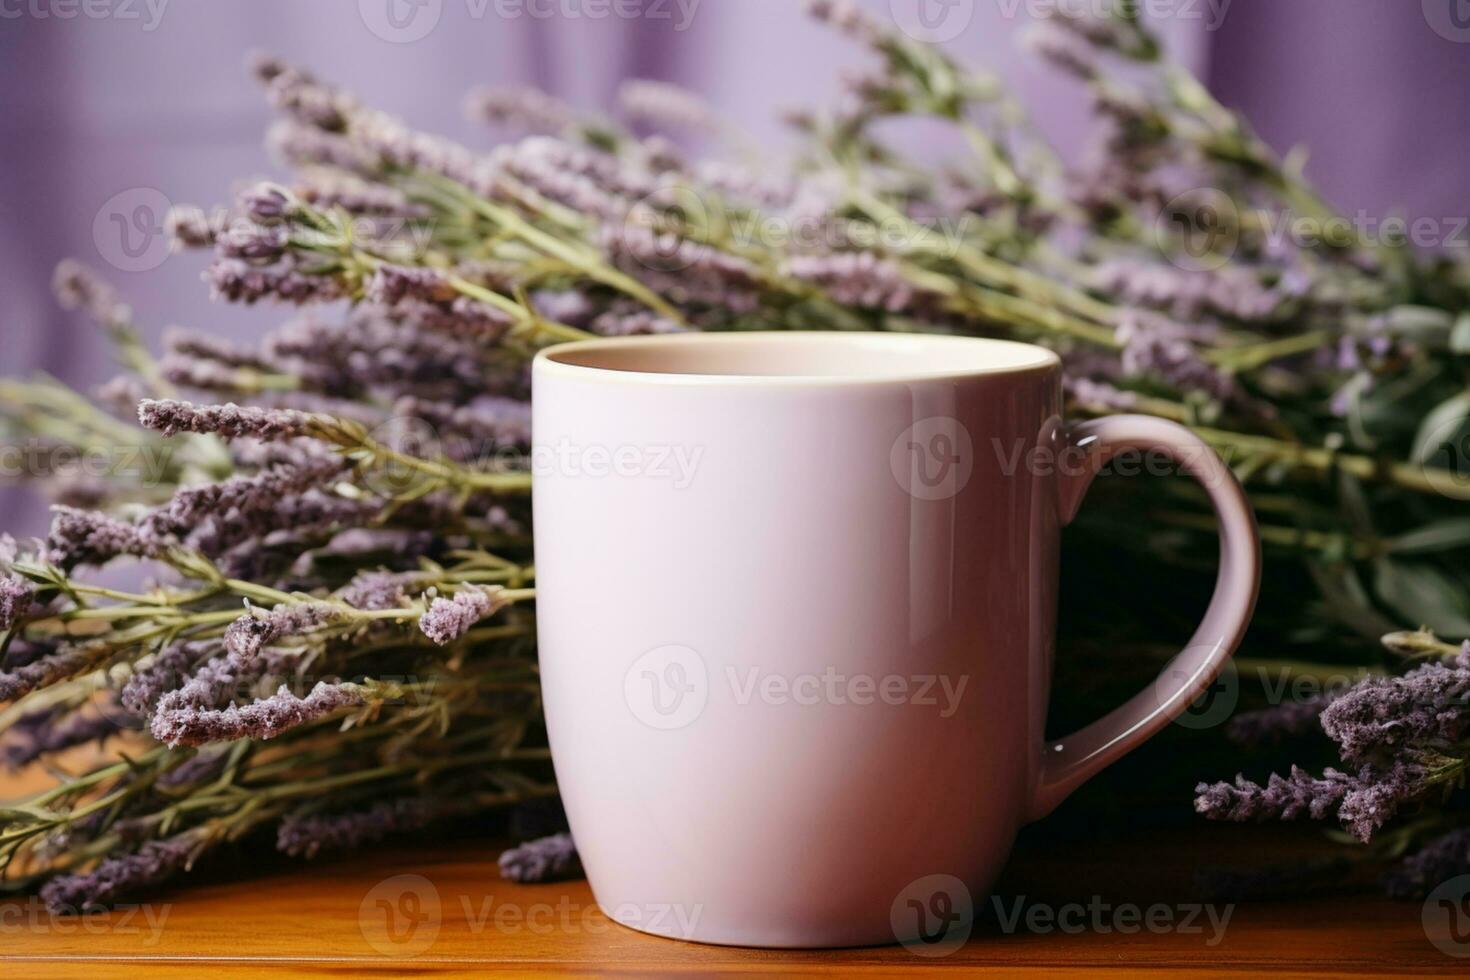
(441, 908)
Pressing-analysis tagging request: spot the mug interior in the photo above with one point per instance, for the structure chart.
(801, 356)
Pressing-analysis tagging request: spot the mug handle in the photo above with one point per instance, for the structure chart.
(1067, 763)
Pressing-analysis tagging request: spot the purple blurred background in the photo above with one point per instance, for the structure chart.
(113, 108)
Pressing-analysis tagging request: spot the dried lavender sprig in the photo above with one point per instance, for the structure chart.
(446, 620)
(263, 719)
(858, 279)
(79, 288)
(1428, 706)
(16, 597)
(151, 864)
(229, 421)
(528, 109)
(1285, 720)
(666, 104)
(56, 732)
(239, 281)
(83, 537)
(46, 669)
(548, 859)
(251, 633)
(1443, 858)
(1363, 802)
(306, 835)
(142, 690)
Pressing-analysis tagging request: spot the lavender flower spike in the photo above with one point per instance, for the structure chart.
(249, 634)
(449, 619)
(264, 719)
(79, 288)
(85, 537)
(306, 835)
(548, 859)
(229, 421)
(15, 599)
(152, 863)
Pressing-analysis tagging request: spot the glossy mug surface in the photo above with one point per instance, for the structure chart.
(796, 603)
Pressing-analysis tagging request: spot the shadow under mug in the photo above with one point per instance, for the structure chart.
(796, 599)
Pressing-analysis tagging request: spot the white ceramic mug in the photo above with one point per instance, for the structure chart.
(796, 600)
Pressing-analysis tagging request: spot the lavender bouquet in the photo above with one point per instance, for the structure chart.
(334, 642)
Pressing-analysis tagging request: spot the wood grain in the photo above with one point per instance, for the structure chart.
(456, 917)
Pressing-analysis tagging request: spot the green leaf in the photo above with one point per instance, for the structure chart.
(1460, 335)
(1439, 536)
(1442, 427)
(1422, 596)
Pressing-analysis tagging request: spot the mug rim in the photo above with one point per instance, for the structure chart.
(1024, 358)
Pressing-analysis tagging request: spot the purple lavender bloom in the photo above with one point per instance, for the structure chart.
(548, 859)
(45, 669)
(79, 288)
(56, 732)
(379, 590)
(1153, 347)
(1443, 858)
(615, 323)
(686, 271)
(1430, 705)
(200, 767)
(250, 634)
(449, 619)
(141, 692)
(1363, 802)
(391, 284)
(297, 145)
(252, 242)
(356, 195)
(665, 104)
(240, 497)
(858, 279)
(263, 719)
(527, 109)
(15, 600)
(1375, 801)
(1282, 798)
(189, 227)
(154, 862)
(239, 281)
(229, 421)
(1278, 722)
(121, 394)
(85, 537)
(846, 17)
(266, 204)
(305, 835)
